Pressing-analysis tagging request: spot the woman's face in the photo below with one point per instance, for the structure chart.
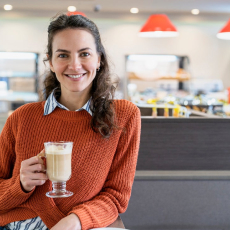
(75, 60)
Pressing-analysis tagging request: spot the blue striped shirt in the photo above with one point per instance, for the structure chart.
(29, 224)
(51, 103)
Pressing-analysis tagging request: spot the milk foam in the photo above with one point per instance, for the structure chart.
(54, 149)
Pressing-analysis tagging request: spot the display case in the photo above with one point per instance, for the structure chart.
(18, 79)
(157, 71)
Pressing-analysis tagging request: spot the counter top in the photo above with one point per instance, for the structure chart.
(182, 175)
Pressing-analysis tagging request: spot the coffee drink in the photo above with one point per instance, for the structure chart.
(58, 163)
(58, 167)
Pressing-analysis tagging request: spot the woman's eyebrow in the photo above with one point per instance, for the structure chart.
(67, 51)
(61, 50)
(87, 48)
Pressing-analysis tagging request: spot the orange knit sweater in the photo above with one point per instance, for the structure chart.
(102, 169)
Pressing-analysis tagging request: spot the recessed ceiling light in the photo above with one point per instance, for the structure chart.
(134, 10)
(195, 11)
(8, 7)
(72, 8)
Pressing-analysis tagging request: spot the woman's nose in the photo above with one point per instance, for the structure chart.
(75, 64)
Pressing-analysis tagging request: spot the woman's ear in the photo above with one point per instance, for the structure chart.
(99, 61)
(50, 62)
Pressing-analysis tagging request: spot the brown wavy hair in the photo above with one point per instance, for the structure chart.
(102, 91)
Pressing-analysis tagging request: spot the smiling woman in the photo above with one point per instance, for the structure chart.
(79, 108)
(75, 66)
(79, 67)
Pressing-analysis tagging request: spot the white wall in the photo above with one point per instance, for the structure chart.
(209, 56)
(24, 35)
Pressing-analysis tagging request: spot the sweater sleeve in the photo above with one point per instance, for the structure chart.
(11, 193)
(103, 209)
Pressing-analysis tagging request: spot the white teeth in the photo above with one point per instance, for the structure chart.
(75, 76)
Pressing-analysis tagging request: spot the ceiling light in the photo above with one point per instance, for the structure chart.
(72, 8)
(134, 10)
(158, 25)
(8, 7)
(225, 32)
(195, 11)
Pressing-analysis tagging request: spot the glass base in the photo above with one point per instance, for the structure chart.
(59, 190)
(53, 194)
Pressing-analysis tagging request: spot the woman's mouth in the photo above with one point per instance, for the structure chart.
(75, 76)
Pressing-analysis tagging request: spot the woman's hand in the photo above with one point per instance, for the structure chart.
(32, 173)
(71, 222)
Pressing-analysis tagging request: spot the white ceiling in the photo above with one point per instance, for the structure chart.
(219, 6)
(113, 7)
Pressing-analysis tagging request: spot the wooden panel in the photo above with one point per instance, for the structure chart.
(184, 144)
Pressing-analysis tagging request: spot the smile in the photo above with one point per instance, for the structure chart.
(75, 76)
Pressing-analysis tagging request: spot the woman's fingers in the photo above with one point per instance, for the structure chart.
(31, 161)
(36, 168)
(32, 177)
(32, 173)
(42, 153)
(32, 165)
(29, 184)
(29, 181)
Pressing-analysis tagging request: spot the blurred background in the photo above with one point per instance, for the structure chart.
(173, 61)
(191, 69)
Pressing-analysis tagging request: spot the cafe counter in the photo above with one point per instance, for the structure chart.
(182, 177)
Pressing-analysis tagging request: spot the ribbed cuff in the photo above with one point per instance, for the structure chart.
(15, 191)
(85, 218)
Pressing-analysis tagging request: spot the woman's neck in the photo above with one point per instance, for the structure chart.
(73, 100)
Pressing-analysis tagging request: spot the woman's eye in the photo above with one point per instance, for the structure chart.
(62, 55)
(85, 54)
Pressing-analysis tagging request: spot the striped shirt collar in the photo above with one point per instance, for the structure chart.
(51, 103)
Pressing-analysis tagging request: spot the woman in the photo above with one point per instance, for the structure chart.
(79, 107)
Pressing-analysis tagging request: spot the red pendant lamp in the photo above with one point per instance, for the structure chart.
(158, 25)
(76, 13)
(225, 32)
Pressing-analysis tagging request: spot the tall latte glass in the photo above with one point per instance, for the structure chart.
(58, 167)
